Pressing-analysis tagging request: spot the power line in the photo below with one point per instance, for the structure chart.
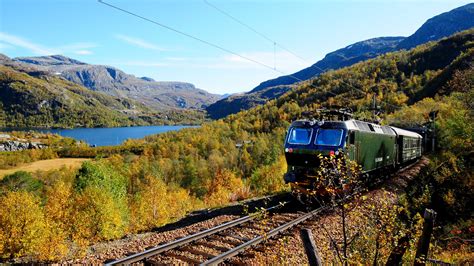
(258, 33)
(220, 47)
(190, 36)
(199, 39)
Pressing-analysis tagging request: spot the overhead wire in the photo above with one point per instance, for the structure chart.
(189, 36)
(264, 36)
(220, 47)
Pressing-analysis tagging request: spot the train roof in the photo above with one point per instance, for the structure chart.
(357, 125)
(404, 132)
(347, 124)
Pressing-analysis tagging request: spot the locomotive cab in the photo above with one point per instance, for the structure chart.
(377, 149)
(306, 140)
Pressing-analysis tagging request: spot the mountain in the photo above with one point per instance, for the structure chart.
(440, 26)
(443, 25)
(397, 79)
(114, 82)
(31, 97)
(349, 55)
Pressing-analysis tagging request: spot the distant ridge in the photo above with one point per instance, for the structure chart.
(440, 26)
(158, 95)
(32, 97)
(435, 28)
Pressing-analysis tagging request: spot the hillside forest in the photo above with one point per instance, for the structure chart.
(55, 215)
(37, 99)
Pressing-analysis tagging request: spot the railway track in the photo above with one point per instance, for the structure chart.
(220, 243)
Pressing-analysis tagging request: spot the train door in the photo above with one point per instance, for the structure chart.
(351, 149)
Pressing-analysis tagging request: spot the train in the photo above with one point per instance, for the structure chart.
(375, 148)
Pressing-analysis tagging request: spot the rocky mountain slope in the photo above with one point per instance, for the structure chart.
(434, 29)
(397, 79)
(31, 97)
(437, 27)
(114, 82)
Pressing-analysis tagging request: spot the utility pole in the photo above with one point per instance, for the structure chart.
(433, 115)
(240, 146)
(374, 110)
(374, 107)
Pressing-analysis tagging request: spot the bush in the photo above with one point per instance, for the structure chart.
(22, 225)
(269, 178)
(20, 181)
(100, 205)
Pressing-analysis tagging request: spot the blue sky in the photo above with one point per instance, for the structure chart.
(94, 33)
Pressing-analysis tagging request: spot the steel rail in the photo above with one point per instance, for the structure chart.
(235, 251)
(185, 240)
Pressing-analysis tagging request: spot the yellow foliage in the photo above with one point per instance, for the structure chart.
(96, 217)
(22, 225)
(269, 179)
(155, 205)
(58, 203)
(58, 216)
(55, 246)
(223, 187)
(149, 206)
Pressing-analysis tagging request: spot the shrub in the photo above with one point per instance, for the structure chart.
(20, 181)
(22, 225)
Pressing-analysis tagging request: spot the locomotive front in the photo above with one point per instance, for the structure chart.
(305, 141)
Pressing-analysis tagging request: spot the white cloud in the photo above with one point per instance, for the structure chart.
(23, 43)
(179, 59)
(139, 42)
(80, 48)
(83, 52)
(138, 63)
(4, 46)
(282, 61)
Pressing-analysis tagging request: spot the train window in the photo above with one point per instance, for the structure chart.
(300, 136)
(371, 127)
(329, 137)
(351, 137)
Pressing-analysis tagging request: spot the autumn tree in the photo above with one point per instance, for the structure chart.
(22, 225)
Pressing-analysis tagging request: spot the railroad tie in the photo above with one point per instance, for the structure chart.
(251, 226)
(213, 246)
(223, 238)
(183, 258)
(195, 251)
(243, 239)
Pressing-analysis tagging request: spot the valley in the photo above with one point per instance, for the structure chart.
(164, 160)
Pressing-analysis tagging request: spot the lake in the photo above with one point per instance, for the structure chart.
(106, 136)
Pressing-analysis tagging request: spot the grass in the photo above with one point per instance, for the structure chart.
(45, 165)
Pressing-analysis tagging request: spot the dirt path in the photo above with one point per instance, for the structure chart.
(44, 165)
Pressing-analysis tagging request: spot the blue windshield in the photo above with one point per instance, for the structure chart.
(301, 136)
(329, 137)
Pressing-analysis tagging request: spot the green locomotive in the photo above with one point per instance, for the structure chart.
(374, 147)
